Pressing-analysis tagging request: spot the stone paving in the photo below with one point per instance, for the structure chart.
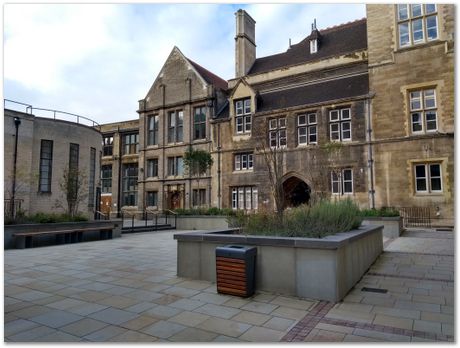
(126, 290)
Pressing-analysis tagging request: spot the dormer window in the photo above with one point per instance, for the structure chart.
(313, 46)
(243, 116)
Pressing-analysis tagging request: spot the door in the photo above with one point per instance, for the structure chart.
(106, 204)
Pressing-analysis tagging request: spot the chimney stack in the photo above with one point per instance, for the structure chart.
(245, 43)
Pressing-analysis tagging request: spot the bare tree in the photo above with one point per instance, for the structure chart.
(74, 190)
(273, 156)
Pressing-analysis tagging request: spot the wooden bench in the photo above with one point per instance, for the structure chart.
(25, 239)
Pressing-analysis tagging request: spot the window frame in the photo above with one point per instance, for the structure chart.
(243, 161)
(277, 132)
(410, 19)
(340, 182)
(175, 166)
(239, 198)
(243, 118)
(427, 178)
(129, 147)
(422, 110)
(127, 181)
(92, 177)
(339, 122)
(147, 198)
(107, 146)
(152, 167)
(106, 179)
(307, 127)
(45, 163)
(153, 129)
(199, 125)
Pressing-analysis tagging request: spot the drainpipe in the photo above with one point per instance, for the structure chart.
(219, 149)
(17, 122)
(119, 171)
(370, 161)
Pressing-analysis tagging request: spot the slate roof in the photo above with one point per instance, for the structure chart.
(316, 93)
(337, 40)
(224, 111)
(209, 76)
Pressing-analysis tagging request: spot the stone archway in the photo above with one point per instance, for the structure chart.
(296, 192)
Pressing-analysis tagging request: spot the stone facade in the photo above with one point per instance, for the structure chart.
(394, 73)
(353, 82)
(115, 159)
(38, 194)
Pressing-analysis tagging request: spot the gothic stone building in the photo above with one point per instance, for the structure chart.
(361, 110)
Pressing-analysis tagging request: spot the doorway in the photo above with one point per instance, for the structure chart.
(296, 192)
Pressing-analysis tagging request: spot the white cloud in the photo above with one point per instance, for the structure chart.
(99, 60)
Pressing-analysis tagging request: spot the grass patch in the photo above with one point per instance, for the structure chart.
(317, 221)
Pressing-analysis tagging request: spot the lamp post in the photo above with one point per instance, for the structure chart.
(17, 122)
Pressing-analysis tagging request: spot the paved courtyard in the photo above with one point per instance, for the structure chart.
(126, 290)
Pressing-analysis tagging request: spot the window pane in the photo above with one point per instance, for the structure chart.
(436, 184)
(415, 98)
(402, 12)
(430, 8)
(239, 107)
(416, 10)
(334, 115)
(250, 162)
(247, 106)
(417, 122)
(239, 124)
(335, 134)
(255, 200)
(301, 120)
(247, 123)
(311, 118)
(404, 38)
(417, 30)
(421, 184)
(237, 162)
(302, 135)
(347, 174)
(430, 100)
(420, 171)
(272, 139)
(432, 27)
(312, 134)
(282, 136)
(273, 124)
(346, 130)
(345, 114)
(435, 170)
(431, 123)
(282, 123)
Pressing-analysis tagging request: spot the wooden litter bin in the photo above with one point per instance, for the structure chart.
(235, 270)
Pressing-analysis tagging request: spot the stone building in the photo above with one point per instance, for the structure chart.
(175, 116)
(119, 166)
(411, 76)
(363, 110)
(296, 103)
(46, 147)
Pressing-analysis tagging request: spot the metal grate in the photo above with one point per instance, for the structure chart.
(381, 291)
(416, 216)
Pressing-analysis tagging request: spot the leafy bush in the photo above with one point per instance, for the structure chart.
(317, 221)
(382, 212)
(43, 218)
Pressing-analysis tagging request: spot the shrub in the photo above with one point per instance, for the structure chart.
(382, 212)
(322, 219)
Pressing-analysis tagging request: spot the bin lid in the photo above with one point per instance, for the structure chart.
(236, 251)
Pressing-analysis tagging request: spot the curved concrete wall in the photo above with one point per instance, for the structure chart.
(31, 131)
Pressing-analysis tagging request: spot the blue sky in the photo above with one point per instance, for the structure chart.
(99, 60)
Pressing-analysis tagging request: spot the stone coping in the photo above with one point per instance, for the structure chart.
(229, 236)
(384, 218)
(60, 224)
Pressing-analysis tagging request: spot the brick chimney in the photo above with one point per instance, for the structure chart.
(245, 43)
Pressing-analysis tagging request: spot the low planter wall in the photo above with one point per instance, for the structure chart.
(323, 269)
(201, 222)
(392, 226)
(9, 230)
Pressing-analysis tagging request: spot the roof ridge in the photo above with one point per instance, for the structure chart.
(342, 25)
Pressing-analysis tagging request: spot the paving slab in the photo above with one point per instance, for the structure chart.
(113, 316)
(163, 329)
(189, 318)
(83, 327)
(224, 327)
(262, 334)
(56, 318)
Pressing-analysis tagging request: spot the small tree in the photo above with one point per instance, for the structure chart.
(197, 163)
(74, 190)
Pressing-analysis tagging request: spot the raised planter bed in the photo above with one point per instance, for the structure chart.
(10, 243)
(323, 269)
(201, 222)
(392, 226)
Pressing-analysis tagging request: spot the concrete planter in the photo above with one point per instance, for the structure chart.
(201, 222)
(323, 269)
(392, 226)
(9, 240)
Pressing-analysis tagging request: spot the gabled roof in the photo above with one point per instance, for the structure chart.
(209, 76)
(334, 41)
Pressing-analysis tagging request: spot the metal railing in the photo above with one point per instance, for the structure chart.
(147, 218)
(416, 216)
(56, 114)
(98, 215)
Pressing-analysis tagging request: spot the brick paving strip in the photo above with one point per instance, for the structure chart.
(408, 277)
(317, 315)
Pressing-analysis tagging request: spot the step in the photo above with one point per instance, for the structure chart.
(146, 228)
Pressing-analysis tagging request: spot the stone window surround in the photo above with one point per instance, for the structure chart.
(423, 110)
(199, 123)
(243, 119)
(443, 161)
(340, 180)
(409, 20)
(154, 197)
(438, 86)
(308, 125)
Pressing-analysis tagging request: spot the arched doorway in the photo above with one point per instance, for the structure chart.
(296, 192)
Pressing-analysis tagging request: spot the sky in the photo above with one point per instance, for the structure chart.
(98, 60)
